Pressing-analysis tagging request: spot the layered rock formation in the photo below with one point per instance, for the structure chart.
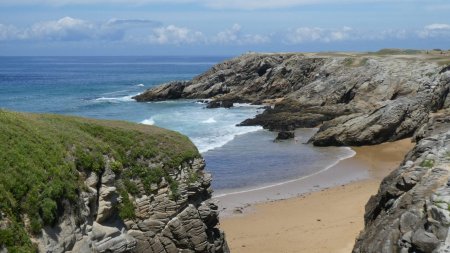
(161, 223)
(77, 185)
(356, 100)
(411, 212)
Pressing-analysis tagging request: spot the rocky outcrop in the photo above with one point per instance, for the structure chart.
(285, 135)
(172, 90)
(161, 223)
(411, 211)
(355, 100)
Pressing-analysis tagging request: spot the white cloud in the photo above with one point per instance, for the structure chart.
(175, 35)
(434, 31)
(437, 27)
(153, 32)
(387, 34)
(317, 34)
(9, 32)
(132, 22)
(72, 29)
(234, 36)
(66, 28)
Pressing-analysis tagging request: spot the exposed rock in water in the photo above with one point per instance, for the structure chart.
(102, 186)
(285, 135)
(355, 100)
(218, 104)
(172, 90)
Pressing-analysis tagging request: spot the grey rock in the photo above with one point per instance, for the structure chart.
(410, 212)
(424, 241)
(162, 224)
(285, 135)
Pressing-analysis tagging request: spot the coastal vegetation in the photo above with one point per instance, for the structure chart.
(44, 159)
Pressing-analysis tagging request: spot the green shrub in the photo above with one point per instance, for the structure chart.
(174, 189)
(116, 166)
(35, 224)
(89, 160)
(130, 186)
(427, 163)
(48, 211)
(193, 177)
(126, 208)
(16, 239)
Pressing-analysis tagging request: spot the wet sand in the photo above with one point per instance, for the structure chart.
(322, 213)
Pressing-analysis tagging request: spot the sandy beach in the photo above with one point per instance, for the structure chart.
(325, 216)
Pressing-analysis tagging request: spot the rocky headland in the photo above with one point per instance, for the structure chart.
(355, 99)
(70, 184)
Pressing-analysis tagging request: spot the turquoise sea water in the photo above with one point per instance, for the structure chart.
(102, 87)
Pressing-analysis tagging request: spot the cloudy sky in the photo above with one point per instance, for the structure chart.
(219, 27)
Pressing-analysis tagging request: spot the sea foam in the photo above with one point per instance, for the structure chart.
(207, 143)
(149, 121)
(128, 98)
(209, 121)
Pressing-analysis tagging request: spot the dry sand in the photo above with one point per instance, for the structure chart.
(324, 221)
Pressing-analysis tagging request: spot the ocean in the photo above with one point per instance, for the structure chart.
(102, 87)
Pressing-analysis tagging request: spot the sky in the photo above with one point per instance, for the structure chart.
(219, 27)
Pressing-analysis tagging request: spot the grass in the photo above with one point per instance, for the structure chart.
(427, 163)
(193, 177)
(356, 61)
(396, 51)
(42, 157)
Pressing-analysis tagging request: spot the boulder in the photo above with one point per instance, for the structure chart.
(424, 241)
(285, 135)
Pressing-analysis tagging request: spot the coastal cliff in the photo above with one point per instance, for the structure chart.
(411, 212)
(70, 184)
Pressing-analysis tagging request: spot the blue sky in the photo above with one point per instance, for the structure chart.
(219, 27)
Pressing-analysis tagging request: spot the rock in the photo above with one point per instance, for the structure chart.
(218, 104)
(411, 208)
(107, 196)
(424, 241)
(227, 104)
(408, 222)
(285, 135)
(213, 104)
(172, 90)
(161, 224)
(99, 232)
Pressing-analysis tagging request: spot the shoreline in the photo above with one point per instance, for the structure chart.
(302, 221)
(274, 185)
